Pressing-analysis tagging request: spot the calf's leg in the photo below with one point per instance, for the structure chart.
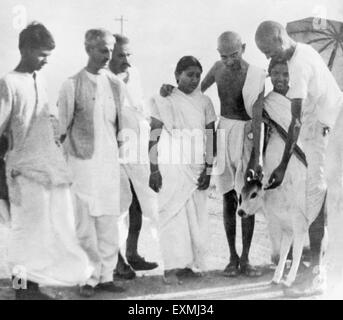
(285, 245)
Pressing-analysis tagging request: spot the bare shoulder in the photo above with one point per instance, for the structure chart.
(212, 75)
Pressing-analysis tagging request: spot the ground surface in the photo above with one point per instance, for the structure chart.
(213, 285)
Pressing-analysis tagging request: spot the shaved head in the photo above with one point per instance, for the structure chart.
(230, 40)
(231, 49)
(272, 39)
(270, 30)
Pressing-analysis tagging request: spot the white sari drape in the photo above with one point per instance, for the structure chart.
(293, 187)
(182, 207)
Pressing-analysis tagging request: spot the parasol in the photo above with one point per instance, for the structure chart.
(326, 36)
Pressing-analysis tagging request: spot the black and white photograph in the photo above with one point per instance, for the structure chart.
(185, 150)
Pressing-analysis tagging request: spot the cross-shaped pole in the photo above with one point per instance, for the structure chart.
(121, 24)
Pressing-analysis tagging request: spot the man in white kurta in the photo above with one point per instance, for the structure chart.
(316, 103)
(89, 105)
(43, 247)
(334, 174)
(135, 195)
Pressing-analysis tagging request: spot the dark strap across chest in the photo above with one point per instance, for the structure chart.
(270, 123)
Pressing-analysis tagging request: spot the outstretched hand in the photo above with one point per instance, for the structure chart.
(155, 181)
(204, 180)
(276, 178)
(166, 90)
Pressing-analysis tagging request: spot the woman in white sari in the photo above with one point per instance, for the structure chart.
(181, 155)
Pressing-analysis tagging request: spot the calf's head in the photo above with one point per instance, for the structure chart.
(251, 198)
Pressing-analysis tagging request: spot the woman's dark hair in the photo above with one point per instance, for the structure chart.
(275, 62)
(186, 62)
(36, 36)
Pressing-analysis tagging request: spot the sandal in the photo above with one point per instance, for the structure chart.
(232, 269)
(249, 271)
(188, 273)
(170, 278)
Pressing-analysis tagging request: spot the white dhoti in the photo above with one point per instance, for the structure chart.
(334, 175)
(235, 141)
(315, 142)
(234, 150)
(43, 246)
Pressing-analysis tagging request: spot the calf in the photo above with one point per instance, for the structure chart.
(284, 207)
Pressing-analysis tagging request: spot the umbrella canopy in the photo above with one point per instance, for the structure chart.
(326, 36)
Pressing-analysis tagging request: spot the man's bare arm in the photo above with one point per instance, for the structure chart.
(211, 144)
(205, 176)
(278, 174)
(293, 131)
(66, 107)
(258, 133)
(209, 79)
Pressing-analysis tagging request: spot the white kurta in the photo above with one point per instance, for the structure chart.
(311, 80)
(182, 207)
(97, 183)
(43, 246)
